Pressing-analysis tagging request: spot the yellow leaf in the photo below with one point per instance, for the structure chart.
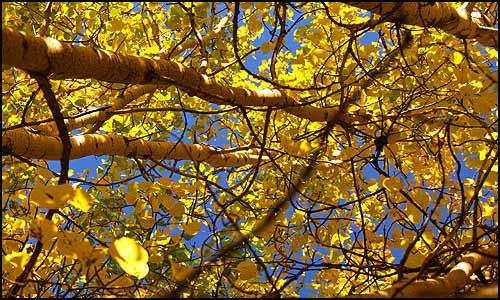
(98, 254)
(297, 217)
(413, 213)
(488, 210)
(145, 185)
(493, 54)
(427, 237)
(468, 192)
(289, 145)
(167, 201)
(330, 275)
(155, 204)
(373, 185)
(248, 270)
(179, 271)
(131, 257)
(155, 259)
(44, 173)
(118, 281)
(131, 194)
(348, 153)
(339, 237)
(469, 181)
(116, 25)
(482, 154)
(267, 47)
(52, 196)
(305, 147)
(109, 296)
(474, 162)
(457, 58)
(414, 260)
(245, 5)
(69, 244)
(166, 181)
(267, 231)
(351, 108)
(176, 238)
(177, 210)
(48, 230)
(5, 182)
(373, 237)
(140, 205)
(192, 228)
(298, 61)
(146, 219)
(84, 251)
(423, 199)
(17, 260)
(130, 197)
(81, 200)
(393, 184)
(141, 293)
(254, 24)
(493, 136)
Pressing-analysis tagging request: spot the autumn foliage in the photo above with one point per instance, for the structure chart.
(267, 149)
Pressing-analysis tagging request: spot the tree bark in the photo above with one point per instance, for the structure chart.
(64, 61)
(456, 279)
(458, 22)
(23, 143)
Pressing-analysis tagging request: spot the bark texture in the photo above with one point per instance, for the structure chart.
(458, 22)
(61, 60)
(30, 145)
(445, 286)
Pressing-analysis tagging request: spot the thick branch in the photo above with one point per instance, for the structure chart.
(64, 61)
(443, 15)
(30, 145)
(456, 279)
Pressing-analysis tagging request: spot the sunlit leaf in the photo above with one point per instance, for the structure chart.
(130, 256)
(81, 200)
(457, 57)
(428, 237)
(146, 219)
(15, 262)
(52, 196)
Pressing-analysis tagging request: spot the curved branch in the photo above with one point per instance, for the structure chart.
(456, 21)
(99, 116)
(456, 279)
(63, 61)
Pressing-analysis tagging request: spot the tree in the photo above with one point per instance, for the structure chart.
(249, 149)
